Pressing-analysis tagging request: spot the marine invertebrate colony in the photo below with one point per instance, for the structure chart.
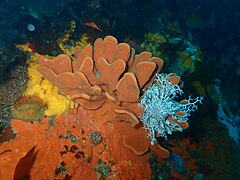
(57, 155)
(37, 86)
(28, 108)
(107, 80)
(162, 114)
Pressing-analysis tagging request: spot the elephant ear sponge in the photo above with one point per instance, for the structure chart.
(107, 79)
(28, 108)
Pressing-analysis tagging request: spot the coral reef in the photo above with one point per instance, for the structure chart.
(154, 43)
(107, 80)
(179, 54)
(187, 55)
(211, 26)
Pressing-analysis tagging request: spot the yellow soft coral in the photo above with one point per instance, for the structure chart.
(37, 85)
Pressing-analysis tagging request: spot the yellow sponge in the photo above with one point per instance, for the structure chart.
(56, 102)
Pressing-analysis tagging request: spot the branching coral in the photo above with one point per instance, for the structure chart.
(162, 113)
(107, 80)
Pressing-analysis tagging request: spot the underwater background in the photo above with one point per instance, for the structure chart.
(50, 130)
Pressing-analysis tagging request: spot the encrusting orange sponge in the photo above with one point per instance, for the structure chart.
(64, 148)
